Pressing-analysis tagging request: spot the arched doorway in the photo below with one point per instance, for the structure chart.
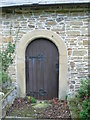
(21, 49)
(42, 67)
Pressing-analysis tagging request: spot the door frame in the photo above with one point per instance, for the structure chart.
(20, 52)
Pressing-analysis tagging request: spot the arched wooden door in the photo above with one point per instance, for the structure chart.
(42, 63)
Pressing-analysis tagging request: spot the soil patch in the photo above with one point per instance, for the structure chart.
(54, 108)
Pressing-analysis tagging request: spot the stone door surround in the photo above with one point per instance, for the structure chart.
(20, 52)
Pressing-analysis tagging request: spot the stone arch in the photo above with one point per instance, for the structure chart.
(25, 40)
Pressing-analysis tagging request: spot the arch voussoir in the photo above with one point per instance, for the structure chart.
(21, 48)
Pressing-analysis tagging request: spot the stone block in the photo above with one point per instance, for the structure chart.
(84, 32)
(73, 82)
(69, 51)
(85, 42)
(4, 39)
(31, 26)
(76, 23)
(6, 23)
(59, 19)
(51, 23)
(72, 64)
(79, 53)
(71, 86)
(73, 33)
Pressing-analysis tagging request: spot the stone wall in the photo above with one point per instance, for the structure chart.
(70, 22)
(7, 101)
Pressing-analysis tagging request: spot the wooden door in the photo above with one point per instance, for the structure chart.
(42, 69)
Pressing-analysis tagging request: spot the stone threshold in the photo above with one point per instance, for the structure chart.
(23, 118)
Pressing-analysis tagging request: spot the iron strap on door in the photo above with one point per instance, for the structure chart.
(41, 92)
(39, 57)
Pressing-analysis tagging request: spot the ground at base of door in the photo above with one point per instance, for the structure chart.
(48, 109)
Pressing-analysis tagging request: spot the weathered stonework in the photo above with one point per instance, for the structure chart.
(69, 22)
(21, 48)
(7, 100)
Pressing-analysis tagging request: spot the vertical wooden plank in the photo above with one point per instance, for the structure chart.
(42, 72)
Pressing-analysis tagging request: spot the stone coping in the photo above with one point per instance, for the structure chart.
(9, 3)
(13, 117)
(7, 99)
(8, 93)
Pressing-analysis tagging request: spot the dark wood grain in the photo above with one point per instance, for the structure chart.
(42, 69)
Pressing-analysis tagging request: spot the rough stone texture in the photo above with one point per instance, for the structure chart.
(69, 22)
(8, 101)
